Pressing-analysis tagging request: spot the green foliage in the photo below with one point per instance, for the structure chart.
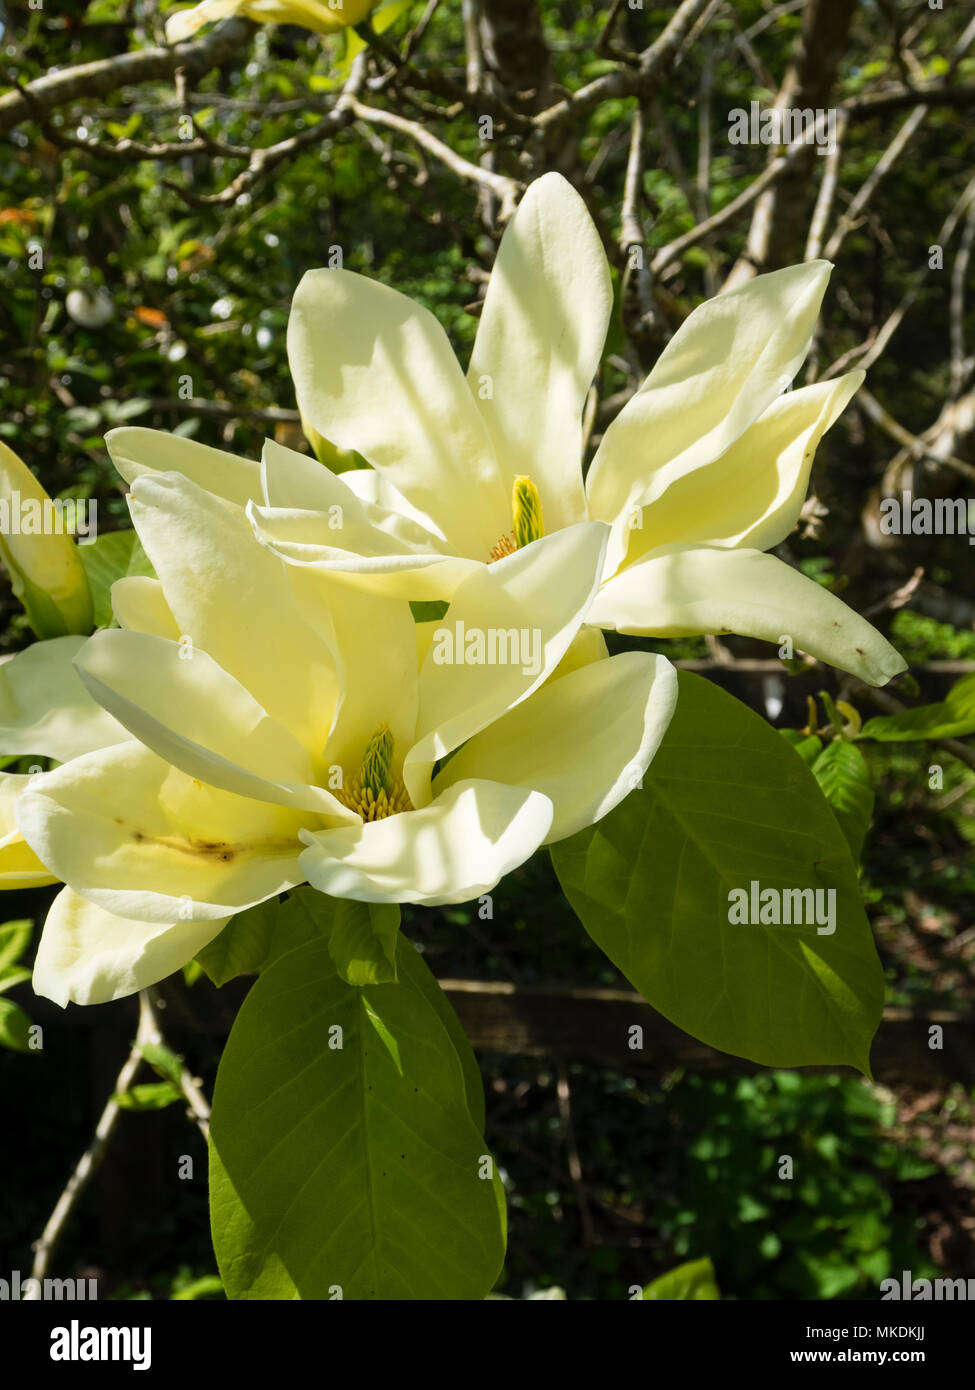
(244, 944)
(363, 941)
(832, 1229)
(953, 717)
(340, 1128)
(651, 883)
(149, 1095)
(15, 1025)
(106, 560)
(693, 1281)
(920, 638)
(845, 782)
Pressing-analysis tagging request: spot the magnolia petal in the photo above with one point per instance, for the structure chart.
(539, 342)
(584, 740)
(527, 608)
(453, 850)
(374, 372)
(200, 719)
(185, 23)
(142, 840)
(301, 539)
(45, 710)
(374, 645)
(89, 956)
(296, 483)
(139, 605)
(725, 364)
(682, 592)
(231, 598)
(135, 450)
(378, 493)
(752, 495)
(587, 646)
(19, 865)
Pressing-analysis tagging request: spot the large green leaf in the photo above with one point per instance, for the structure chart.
(242, 947)
(843, 774)
(353, 1167)
(726, 803)
(363, 941)
(952, 717)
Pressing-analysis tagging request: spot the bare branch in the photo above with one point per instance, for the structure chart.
(633, 81)
(506, 190)
(127, 69)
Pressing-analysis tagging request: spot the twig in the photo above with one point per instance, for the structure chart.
(564, 1096)
(868, 352)
(126, 69)
(869, 186)
(189, 1085)
(827, 191)
(46, 1245)
(631, 81)
(960, 365)
(506, 190)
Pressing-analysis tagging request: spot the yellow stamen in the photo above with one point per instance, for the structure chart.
(368, 805)
(375, 792)
(505, 546)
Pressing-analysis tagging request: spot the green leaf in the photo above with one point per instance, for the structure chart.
(351, 1167)
(692, 1281)
(426, 982)
(14, 1026)
(207, 1286)
(14, 940)
(152, 1095)
(844, 777)
(724, 804)
(163, 1061)
(11, 975)
(953, 717)
(808, 746)
(106, 560)
(243, 945)
(428, 610)
(139, 562)
(363, 942)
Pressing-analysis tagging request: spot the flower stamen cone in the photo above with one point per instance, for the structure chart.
(376, 760)
(526, 512)
(375, 792)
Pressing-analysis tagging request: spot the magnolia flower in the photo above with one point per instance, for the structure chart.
(45, 712)
(279, 736)
(322, 16)
(41, 558)
(703, 471)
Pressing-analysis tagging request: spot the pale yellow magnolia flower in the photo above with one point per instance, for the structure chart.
(321, 16)
(45, 712)
(281, 735)
(704, 470)
(40, 556)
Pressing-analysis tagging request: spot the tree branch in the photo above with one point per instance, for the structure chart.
(127, 69)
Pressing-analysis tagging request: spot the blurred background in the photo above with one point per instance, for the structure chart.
(147, 261)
